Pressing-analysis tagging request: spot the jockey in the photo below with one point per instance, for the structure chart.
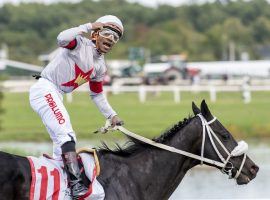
(80, 60)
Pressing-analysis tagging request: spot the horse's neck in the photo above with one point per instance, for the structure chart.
(163, 171)
(153, 172)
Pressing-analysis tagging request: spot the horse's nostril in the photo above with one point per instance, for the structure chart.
(254, 169)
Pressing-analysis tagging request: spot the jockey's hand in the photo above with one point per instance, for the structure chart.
(116, 121)
(97, 26)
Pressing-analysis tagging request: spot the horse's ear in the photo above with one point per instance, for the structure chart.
(195, 109)
(205, 111)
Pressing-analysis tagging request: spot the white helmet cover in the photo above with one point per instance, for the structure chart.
(112, 19)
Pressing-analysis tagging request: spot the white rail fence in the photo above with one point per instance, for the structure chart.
(142, 90)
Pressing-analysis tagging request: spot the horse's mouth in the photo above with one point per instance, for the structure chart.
(243, 179)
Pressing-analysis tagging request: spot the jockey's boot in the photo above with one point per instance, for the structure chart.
(78, 189)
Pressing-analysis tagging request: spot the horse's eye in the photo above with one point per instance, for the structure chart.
(225, 136)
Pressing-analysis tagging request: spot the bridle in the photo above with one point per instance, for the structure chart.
(239, 150)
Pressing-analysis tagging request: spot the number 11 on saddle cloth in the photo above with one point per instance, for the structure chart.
(49, 180)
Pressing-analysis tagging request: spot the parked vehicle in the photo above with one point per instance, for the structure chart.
(165, 70)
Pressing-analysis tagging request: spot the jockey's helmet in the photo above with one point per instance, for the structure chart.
(113, 22)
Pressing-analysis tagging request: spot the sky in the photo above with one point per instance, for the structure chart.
(151, 3)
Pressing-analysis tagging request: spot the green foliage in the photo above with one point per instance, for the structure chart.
(202, 31)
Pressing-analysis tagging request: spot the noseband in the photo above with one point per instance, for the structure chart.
(226, 166)
(239, 150)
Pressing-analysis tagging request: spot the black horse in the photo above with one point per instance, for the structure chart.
(141, 171)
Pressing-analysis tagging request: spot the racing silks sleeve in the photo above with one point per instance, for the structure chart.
(97, 95)
(67, 38)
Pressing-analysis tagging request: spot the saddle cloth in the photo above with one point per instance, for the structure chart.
(49, 179)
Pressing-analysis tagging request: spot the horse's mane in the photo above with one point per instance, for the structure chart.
(133, 145)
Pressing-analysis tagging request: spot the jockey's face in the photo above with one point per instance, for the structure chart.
(104, 45)
(107, 37)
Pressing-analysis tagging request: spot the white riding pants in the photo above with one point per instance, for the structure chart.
(47, 101)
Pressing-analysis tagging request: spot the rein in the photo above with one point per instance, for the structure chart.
(239, 150)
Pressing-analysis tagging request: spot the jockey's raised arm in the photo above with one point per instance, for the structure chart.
(67, 38)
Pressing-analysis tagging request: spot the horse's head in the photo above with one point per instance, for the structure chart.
(222, 150)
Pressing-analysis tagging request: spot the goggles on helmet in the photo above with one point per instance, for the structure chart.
(110, 33)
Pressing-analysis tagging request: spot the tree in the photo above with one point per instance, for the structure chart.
(201, 30)
(261, 30)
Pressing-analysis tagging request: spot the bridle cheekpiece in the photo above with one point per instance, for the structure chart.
(239, 150)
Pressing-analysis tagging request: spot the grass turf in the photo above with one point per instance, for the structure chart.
(159, 112)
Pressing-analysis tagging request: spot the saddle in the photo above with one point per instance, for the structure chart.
(91, 151)
(49, 180)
